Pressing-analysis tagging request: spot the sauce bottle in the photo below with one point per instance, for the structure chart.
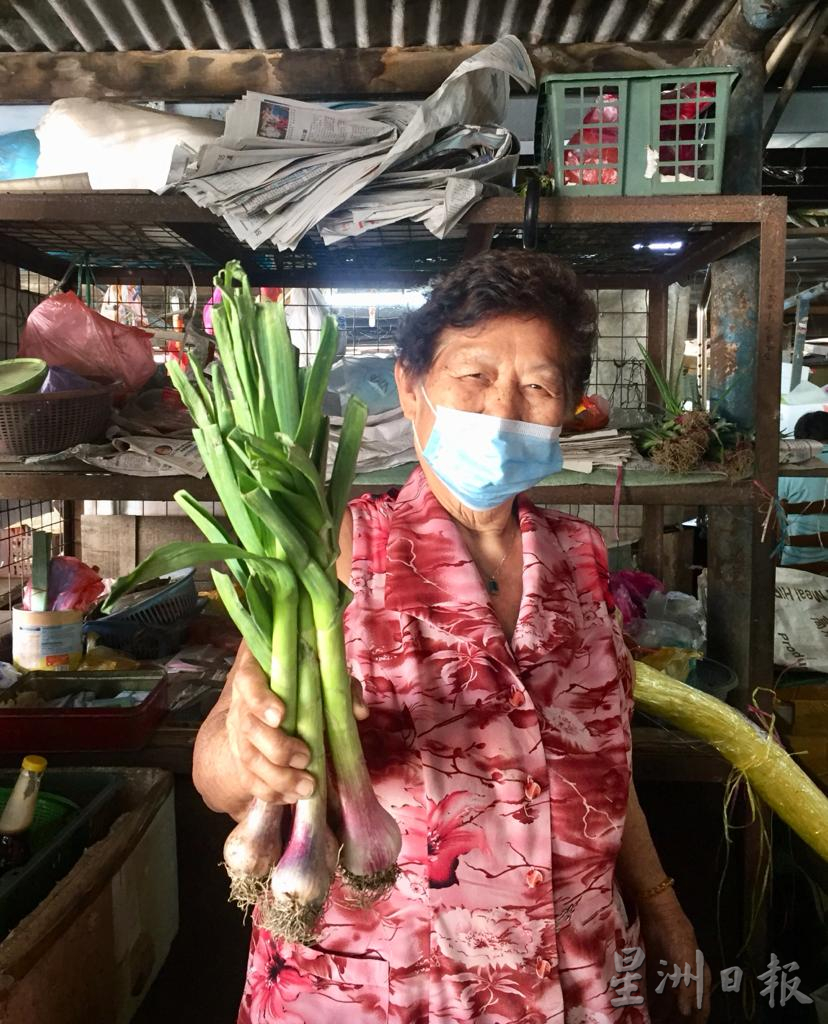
(18, 814)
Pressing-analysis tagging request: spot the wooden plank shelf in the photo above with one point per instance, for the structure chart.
(813, 467)
(74, 481)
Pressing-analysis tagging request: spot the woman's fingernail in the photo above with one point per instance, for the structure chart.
(299, 761)
(304, 787)
(272, 716)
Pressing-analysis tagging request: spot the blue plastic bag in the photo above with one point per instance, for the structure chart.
(18, 155)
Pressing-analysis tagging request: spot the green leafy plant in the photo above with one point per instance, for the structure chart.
(683, 439)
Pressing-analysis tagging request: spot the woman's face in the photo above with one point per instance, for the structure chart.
(507, 366)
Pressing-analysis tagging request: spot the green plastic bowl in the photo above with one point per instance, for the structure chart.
(21, 376)
(51, 814)
(75, 807)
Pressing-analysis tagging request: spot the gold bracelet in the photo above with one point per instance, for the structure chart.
(656, 890)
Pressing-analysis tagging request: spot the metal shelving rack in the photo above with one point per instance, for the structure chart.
(141, 237)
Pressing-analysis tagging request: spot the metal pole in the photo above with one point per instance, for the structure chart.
(810, 294)
(803, 308)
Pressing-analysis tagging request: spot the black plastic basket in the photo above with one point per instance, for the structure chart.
(37, 424)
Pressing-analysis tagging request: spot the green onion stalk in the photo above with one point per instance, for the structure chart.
(260, 429)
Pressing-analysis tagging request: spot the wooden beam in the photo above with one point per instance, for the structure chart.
(744, 209)
(73, 480)
(114, 207)
(216, 74)
(181, 75)
(104, 207)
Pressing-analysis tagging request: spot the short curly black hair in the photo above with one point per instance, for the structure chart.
(506, 281)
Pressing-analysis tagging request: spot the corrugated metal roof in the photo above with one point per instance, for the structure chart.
(101, 25)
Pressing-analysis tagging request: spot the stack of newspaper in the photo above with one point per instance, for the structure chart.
(596, 449)
(283, 166)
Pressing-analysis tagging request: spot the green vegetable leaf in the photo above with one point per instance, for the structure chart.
(186, 554)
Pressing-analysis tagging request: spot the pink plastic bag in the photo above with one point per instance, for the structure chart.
(630, 590)
(64, 331)
(73, 586)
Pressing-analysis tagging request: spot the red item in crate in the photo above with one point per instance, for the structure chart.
(52, 730)
(693, 100)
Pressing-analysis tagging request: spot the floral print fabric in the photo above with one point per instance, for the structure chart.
(506, 766)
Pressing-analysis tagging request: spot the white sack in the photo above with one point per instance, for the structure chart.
(120, 146)
(800, 636)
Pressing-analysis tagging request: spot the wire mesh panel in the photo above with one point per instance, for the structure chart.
(618, 374)
(20, 292)
(618, 370)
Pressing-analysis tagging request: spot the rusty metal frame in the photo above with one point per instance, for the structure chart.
(735, 219)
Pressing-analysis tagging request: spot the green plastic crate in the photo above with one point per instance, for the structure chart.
(71, 808)
(622, 133)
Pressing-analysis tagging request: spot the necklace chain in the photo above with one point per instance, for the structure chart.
(491, 578)
(493, 575)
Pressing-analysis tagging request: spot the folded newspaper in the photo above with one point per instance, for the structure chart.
(794, 451)
(282, 166)
(596, 449)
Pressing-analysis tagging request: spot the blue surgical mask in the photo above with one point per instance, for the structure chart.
(486, 460)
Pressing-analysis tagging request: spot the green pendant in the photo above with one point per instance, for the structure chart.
(491, 586)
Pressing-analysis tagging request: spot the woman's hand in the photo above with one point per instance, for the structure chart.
(668, 935)
(269, 762)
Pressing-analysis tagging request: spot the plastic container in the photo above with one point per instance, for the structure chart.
(21, 376)
(712, 677)
(37, 424)
(46, 641)
(70, 811)
(55, 730)
(153, 627)
(634, 132)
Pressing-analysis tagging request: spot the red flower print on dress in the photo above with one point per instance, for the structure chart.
(273, 984)
(506, 765)
(449, 835)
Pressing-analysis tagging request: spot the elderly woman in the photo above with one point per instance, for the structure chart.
(497, 703)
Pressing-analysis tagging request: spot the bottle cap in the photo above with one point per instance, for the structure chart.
(34, 763)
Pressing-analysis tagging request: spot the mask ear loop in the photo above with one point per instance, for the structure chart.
(414, 429)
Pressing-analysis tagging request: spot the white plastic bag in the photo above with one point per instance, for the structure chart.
(800, 637)
(369, 376)
(118, 145)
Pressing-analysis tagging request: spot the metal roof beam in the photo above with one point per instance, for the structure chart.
(111, 30)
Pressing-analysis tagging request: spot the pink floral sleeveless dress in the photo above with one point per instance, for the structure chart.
(506, 766)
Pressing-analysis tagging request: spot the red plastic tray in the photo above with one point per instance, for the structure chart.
(63, 730)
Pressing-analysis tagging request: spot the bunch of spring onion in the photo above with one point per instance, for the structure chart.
(263, 438)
